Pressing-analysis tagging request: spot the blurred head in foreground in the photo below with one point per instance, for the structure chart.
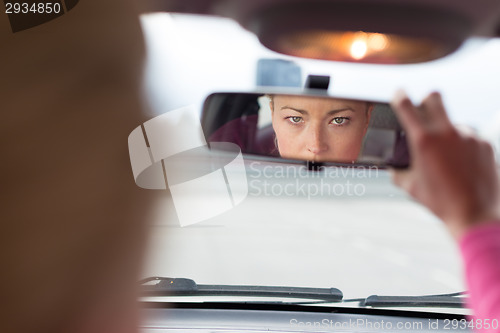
(72, 219)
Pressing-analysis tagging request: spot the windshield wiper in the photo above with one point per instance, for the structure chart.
(452, 300)
(187, 287)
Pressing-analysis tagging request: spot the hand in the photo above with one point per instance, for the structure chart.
(452, 173)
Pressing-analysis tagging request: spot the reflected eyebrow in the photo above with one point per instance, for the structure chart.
(294, 109)
(329, 113)
(347, 108)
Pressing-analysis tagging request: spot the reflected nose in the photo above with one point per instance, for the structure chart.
(316, 143)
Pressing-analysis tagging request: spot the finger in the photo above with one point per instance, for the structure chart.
(487, 151)
(435, 111)
(400, 177)
(406, 180)
(466, 130)
(407, 113)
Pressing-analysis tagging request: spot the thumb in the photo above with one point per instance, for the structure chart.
(402, 178)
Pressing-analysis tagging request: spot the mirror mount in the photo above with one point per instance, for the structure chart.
(314, 166)
(321, 82)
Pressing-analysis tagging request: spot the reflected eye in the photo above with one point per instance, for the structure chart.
(339, 120)
(294, 119)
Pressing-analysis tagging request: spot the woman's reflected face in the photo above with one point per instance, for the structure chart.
(318, 128)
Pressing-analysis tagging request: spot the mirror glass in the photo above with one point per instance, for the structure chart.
(306, 127)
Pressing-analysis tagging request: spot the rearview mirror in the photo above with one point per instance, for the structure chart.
(302, 127)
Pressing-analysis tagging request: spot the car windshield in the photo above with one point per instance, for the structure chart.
(344, 228)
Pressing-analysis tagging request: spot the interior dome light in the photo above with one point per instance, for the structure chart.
(357, 31)
(360, 47)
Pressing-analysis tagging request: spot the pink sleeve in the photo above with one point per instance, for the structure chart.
(481, 252)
